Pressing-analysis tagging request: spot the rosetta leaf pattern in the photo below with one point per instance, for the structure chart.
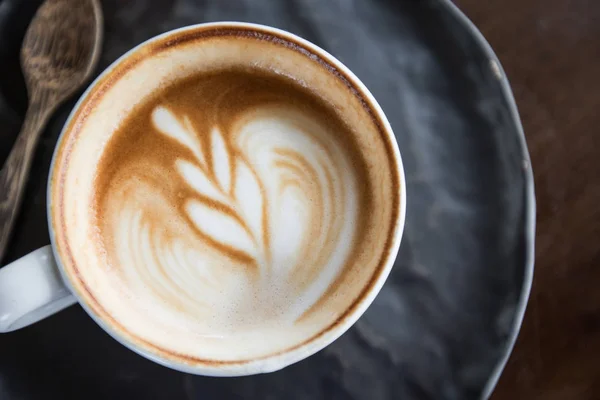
(167, 124)
(229, 205)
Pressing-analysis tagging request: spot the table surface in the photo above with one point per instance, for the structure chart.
(550, 50)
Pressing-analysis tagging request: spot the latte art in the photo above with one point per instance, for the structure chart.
(229, 209)
(237, 214)
(226, 199)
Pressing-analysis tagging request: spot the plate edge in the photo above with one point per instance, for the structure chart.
(530, 203)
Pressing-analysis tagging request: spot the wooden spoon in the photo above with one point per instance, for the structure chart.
(59, 53)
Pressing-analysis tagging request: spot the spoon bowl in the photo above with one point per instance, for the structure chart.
(61, 47)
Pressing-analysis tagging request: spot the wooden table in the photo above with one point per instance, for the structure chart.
(551, 52)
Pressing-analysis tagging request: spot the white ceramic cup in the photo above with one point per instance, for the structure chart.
(38, 285)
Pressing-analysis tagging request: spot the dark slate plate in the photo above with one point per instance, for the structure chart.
(448, 316)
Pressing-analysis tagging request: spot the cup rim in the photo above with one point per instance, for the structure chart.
(311, 345)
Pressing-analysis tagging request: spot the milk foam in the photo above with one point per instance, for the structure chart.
(276, 204)
(194, 263)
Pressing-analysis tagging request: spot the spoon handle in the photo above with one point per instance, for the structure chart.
(14, 173)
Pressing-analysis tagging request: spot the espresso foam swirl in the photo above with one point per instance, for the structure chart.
(275, 203)
(239, 217)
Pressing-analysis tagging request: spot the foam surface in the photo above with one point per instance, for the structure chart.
(231, 200)
(224, 220)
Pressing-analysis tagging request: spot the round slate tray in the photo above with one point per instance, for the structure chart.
(444, 323)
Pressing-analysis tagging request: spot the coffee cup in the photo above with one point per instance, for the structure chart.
(225, 199)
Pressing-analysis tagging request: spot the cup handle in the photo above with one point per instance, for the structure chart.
(31, 289)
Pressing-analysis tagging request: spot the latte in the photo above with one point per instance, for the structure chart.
(234, 197)
(225, 195)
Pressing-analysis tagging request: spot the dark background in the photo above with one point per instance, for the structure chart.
(550, 50)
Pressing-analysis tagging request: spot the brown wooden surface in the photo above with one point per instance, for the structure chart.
(550, 50)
